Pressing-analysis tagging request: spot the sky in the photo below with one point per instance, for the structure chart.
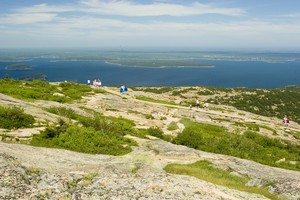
(199, 24)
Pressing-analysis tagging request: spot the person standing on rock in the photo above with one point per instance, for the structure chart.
(286, 121)
(205, 106)
(197, 104)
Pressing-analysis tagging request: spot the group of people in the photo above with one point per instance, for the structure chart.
(96, 83)
(205, 105)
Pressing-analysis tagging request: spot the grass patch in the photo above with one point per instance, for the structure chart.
(250, 126)
(296, 134)
(221, 119)
(205, 171)
(268, 128)
(254, 127)
(172, 126)
(99, 91)
(143, 98)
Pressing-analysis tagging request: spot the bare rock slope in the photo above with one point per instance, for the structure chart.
(41, 173)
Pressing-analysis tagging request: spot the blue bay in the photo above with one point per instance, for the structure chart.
(251, 74)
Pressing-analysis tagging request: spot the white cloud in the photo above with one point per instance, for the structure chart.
(45, 8)
(128, 8)
(24, 18)
(45, 13)
(48, 25)
(293, 15)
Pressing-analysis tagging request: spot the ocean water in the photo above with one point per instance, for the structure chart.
(251, 74)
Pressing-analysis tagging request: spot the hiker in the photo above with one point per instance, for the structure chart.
(197, 104)
(286, 121)
(95, 83)
(205, 106)
(123, 89)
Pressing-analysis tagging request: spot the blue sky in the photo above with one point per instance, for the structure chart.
(200, 24)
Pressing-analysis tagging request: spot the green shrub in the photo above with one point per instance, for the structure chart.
(251, 145)
(149, 116)
(74, 91)
(99, 122)
(205, 92)
(158, 90)
(83, 139)
(182, 91)
(63, 112)
(14, 117)
(157, 132)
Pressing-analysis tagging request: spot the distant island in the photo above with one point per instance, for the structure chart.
(159, 63)
(31, 77)
(19, 66)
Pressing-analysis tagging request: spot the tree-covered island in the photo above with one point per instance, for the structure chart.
(18, 66)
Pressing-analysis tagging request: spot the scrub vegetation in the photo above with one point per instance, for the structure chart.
(14, 118)
(204, 170)
(266, 102)
(249, 145)
(95, 135)
(39, 90)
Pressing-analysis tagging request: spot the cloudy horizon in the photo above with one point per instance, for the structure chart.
(235, 24)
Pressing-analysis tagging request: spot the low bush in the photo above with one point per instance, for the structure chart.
(74, 90)
(157, 132)
(153, 131)
(99, 122)
(14, 118)
(172, 126)
(158, 90)
(63, 112)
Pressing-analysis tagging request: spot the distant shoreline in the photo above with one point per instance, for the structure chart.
(157, 65)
